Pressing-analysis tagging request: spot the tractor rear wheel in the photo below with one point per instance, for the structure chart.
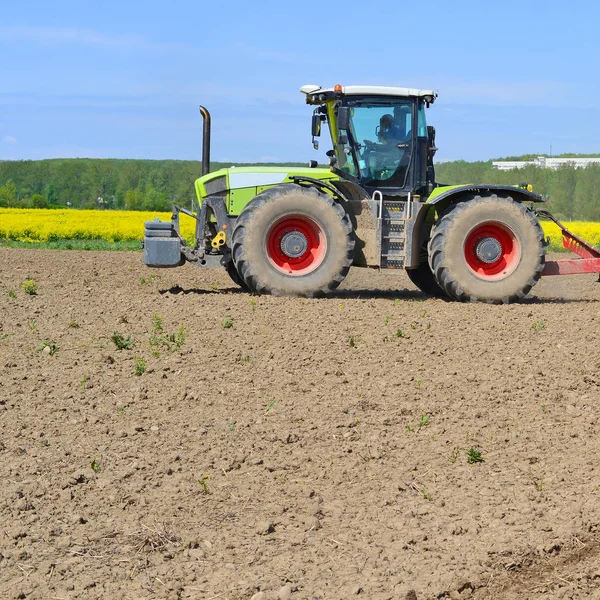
(422, 277)
(293, 241)
(488, 249)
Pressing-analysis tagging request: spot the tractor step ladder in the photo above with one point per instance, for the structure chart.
(391, 231)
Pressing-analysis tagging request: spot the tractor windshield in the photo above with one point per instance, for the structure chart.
(380, 140)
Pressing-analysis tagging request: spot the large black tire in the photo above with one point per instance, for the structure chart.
(423, 278)
(487, 249)
(322, 237)
(235, 276)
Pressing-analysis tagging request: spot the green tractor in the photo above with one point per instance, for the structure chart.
(286, 231)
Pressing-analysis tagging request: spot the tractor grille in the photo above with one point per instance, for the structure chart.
(214, 186)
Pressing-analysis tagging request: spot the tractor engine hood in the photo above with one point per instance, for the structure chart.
(236, 178)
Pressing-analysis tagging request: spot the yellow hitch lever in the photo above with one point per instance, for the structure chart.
(218, 240)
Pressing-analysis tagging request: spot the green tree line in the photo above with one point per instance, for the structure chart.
(130, 184)
(122, 184)
(572, 194)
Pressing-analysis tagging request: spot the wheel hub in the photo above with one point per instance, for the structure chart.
(293, 244)
(488, 250)
(296, 245)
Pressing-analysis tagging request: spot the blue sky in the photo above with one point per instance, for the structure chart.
(124, 79)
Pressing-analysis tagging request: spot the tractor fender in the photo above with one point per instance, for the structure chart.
(450, 195)
(439, 202)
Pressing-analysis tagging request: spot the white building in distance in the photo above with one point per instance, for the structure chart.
(544, 163)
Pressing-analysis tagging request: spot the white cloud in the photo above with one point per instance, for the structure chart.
(8, 139)
(67, 35)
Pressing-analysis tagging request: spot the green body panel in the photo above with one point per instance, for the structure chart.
(444, 196)
(241, 184)
(237, 199)
(520, 190)
(201, 181)
(332, 120)
(438, 191)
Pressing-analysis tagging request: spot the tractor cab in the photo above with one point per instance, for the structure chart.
(379, 134)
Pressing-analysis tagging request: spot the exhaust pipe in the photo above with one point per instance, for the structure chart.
(205, 140)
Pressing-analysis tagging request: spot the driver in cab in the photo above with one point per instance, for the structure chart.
(389, 132)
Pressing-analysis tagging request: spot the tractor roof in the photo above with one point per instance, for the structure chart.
(317, 95)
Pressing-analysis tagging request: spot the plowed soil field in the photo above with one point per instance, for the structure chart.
(375, 444)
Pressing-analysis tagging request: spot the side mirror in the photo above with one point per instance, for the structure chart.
(343, 118)
(431, 149)
(316, 125)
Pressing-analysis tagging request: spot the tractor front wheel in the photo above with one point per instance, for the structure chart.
(293, 241)
(488, 249)
(235, 276)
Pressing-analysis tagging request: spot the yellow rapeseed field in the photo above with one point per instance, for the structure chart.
(43, 225)
(590, 232)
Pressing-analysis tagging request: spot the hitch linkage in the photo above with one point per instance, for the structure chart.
(590, 256)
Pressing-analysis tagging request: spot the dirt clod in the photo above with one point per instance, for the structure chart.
(265, 528)
(312, 523)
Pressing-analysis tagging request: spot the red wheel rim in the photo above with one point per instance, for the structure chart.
(492, 251)
(296, 245)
